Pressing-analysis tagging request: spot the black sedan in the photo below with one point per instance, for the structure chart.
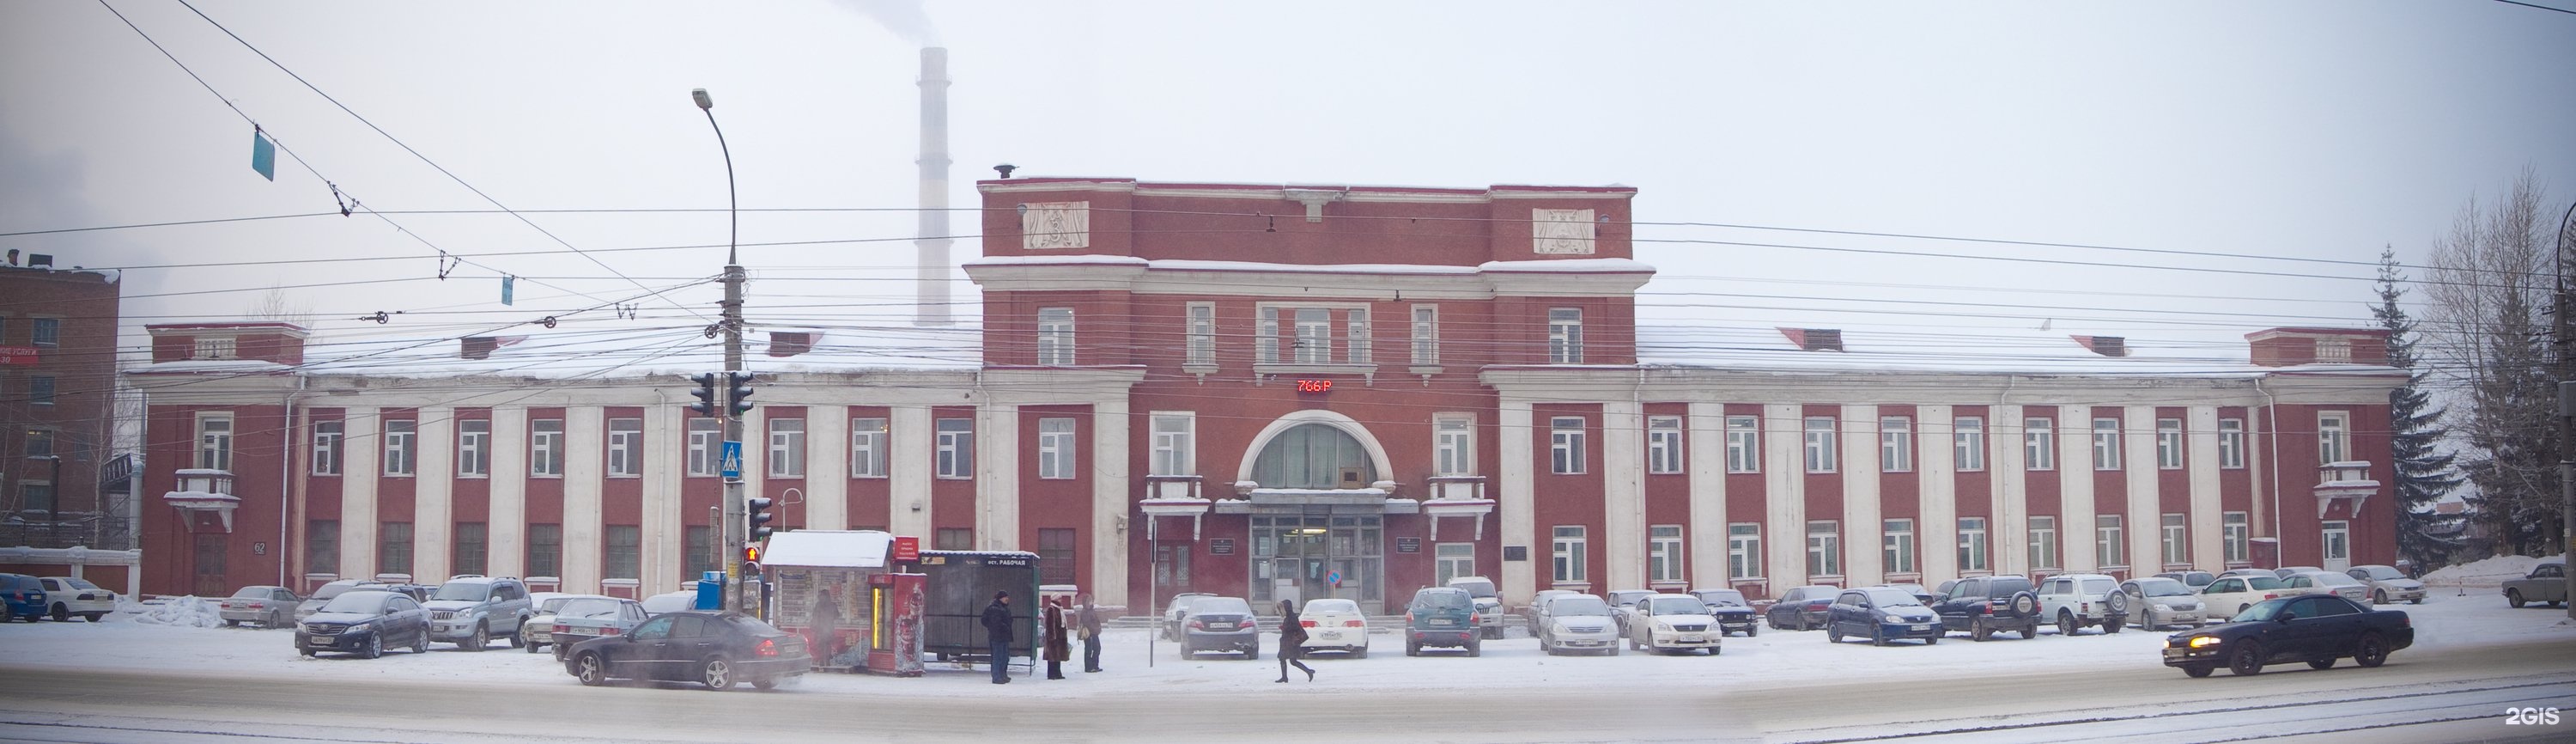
(364, 623)
(1881, 614)
(2314, 628)
(716, 649)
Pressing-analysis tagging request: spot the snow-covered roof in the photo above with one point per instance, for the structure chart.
(1568, 266)
(1767, 349)
(829, 548)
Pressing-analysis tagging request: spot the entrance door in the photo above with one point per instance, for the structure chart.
(1317, 555)
(212, 578)
(2338, 546)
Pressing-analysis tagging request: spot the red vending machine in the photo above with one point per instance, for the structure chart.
(895, 629)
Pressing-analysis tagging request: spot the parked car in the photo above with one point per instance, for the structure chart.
(2264, 572)
(1335, 625)
(270, 606)
(2327, 582)
(327, 592)
(470, 611)
(539, 630)
(1921, 593)
(2161, 602)
(1489, 606)
(1623, 602)
(1801, 608)
(679, 601)
(22, 596)
(2084, 600)
(1575, 621)
(1179, 608)
(66, 596)
(2286, 572)
(2234, 594)
(1538, 602)
(583, 618)
(1220, 625)
(2314, 628)
(2193, 579)
(716, 649)
(2387, 584)
(1442, 616)
(1982, 606)
(1733, 613)
(1673, 622)
(1881, 613)
(2547, 582)
(364, 622)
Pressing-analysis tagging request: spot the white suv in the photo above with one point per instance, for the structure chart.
(470, 611)
(1489, 607)
(2084, 600)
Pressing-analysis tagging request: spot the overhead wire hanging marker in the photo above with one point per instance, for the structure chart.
(263, 154)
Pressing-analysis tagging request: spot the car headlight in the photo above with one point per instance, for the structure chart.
(2205, 641)
(1895, 618)
(360, 628)
(1663, 626)
(2193, 607)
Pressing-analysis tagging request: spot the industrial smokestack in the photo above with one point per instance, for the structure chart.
(931, 243)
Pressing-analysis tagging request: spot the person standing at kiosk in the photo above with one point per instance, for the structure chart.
(1089, 620)
(997, 634)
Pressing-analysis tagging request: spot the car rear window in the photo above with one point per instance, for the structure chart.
(2003, 586)
(2099, 586)
(2258, 582)
(1333, 605)
(1452, 599)
(252, 592)
(1234, 605)
(1477, 588)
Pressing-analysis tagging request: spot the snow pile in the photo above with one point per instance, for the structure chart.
(2487, 573)
(185, 612)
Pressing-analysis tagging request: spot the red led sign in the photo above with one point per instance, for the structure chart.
(1314, 386)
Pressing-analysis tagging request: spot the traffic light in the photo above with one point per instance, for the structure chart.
(738, 395)
(705, 393)
(756, 516)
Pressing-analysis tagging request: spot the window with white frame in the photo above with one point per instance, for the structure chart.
(2334, 351)
(545, 448)
(1663, 444)
(2176, 551)
(1968, 443)
(1895, 444)
(49, 331)
(1744, 550)
(1567, 547)
(40, 390)
(2168, 444)
(1565, 335)
(787, 448)
(869, 440)
(1056, 451)
(2334, 437)
(2039, 444)
(2106, 444)
(1896, 546)
(328, 437)
(625, 447)
(1820, 444)
(1356, 345)
(211, 347)
(706, 447)
(1453, 560)
(1055, 336)
(1426, 335)
(1202, 330)
(1314, 335)
(1173, 442)
(2108, 548)
(1307, 332)
(402, 446)
(2231, 443)
(955, 447)
(2236, 537)
(1743, 444)
(1824, 548)
(215, 441)
(1565, 445)
(1972, 543)
(474, 448)
(2043, 542)
(1664, 552)
(1453, 444)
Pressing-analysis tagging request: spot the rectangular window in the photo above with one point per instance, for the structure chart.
(1055, 336)
(402, 446)
(1356, 325)
(1820, 444)
(1452, 560)
(1202, 329)
(393, 547)
(1453, 445)
(1663, 444)
(2043, 543)
(215, 441)
(2231, 443)
(787, 448)
(1314, 335)
(2169, 444)
(1968, 443)
(1567, 547)
(868, 442)
(1824, 549)
(2176, 551)
(1896, 546)
(1565, 445)
(625, 553)
(956, 440)
(1744, 550)
(474, 450)
(2106, 444)
(706, 447)
(40, 390)
(1972, 543)
(625, 448)
(1565, 335)
(2236, 537)
(322, 546)
(327, 438)
(2108, 548)
(1664, 552)
(40, 442)
(36, 496)
(698, 555)
(1895, 444)
(955, 538)
(212, 347)
(1055, 555)
(1743, 444)
(45, 331)
(545, 550)
(1265, 341)
(545, 449)
(2039, 444)
(2334, 437)
(1426, 335)
(1174, 450)
(471, 549)
(1056, 452)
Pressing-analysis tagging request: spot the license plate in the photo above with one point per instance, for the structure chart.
(1330, 635)
(1690, 639)
(1922, 626)
(1444, 623)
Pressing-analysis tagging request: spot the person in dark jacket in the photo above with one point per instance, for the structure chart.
(997, 635)
(1292, 642)
(1088, 619)
(1059, 649)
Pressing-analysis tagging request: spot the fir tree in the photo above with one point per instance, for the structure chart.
(2424, 476)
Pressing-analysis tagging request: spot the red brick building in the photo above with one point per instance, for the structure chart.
(57, 395)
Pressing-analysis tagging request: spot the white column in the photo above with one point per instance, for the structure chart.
(1515, 497)
(433, 493)
(2075, 486)
(827, 477)
(1623, 493)
(908, 483)
(2205, 524)
(1784, 496)
(2145, 515)
(1109, 499)
(1936, 497)
(583, 543)
(2009, 530)
(666, 536)
(997, 477)
(359, 470)
(1861, 528)
(509, 526)
(1705, 436)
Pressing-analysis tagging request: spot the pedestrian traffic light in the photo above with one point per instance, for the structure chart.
(738, 394)
(705, 393)
(756, 516)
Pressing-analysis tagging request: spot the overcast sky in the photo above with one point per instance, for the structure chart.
(2288, 136)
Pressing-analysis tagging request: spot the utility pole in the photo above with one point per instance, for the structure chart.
(2566, 411)
(732, 328)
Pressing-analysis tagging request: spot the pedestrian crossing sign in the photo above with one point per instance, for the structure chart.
(732, 464)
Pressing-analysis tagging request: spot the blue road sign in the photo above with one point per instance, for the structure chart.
(1334, 578)
(732, 460)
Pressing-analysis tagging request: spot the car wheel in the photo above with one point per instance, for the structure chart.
(2025, 604)
(1878, 637)
(2378, 596)
(1614, 650)
(61, 613)
(2198, 670)
(590, 670)
(1752, 630)
(421, 646)
(480, 639)
(2114, 623)
(2030, 630)
(716, 673)
(1252, 654)
(520, 640)
(2372, 652)
(1833, 634)
(2325, 663)
(1475, 648)
(1977, 630)
(94, 616)
(1359, 653)
(232, 623)
(2513, 597)
(531, 646)
(1412, 649)
(375, 647)
(2247, 661)
(559, 653)
(764, 685)
(2417, 600)
(1932, 641)
(2065, 623)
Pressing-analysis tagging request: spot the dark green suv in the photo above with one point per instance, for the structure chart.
(1442, 616)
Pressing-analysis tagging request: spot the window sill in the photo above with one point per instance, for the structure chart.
(473, 476)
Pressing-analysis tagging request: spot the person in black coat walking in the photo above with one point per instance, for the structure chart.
(997, 634)
(1292, 642)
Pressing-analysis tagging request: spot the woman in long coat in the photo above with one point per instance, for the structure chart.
(1292, 642)
(1058, 648)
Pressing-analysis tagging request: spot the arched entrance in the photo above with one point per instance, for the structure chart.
(1317, 521)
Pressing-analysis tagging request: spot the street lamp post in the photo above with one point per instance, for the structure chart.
(731, 525)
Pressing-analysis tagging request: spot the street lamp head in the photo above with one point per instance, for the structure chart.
(700, 95)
